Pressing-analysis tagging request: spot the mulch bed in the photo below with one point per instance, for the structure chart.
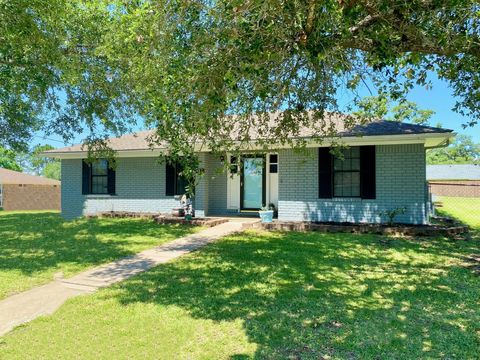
(165, 218)
(397, 229)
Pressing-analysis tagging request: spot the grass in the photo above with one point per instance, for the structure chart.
(465, 209)
(277, 296)
(36, 245)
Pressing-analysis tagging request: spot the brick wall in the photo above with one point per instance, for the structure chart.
(400, 177)
(31, 197)
(462, 188)
(217, 186)
(140, 187)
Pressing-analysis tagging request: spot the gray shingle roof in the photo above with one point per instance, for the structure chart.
(453, 172)
(384, 127)
(138, 141)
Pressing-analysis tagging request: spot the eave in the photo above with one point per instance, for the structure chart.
(429, 140)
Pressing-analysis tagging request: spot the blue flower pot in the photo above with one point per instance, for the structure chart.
(266, 216)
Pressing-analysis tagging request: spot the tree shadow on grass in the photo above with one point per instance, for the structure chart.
(38, 241)
(306, 295)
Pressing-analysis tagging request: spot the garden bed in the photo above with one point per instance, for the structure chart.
(397, 229)
(165, 218)
(208, 222)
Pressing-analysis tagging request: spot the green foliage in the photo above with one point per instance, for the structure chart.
(184, 66)
(391, 214)
(41, 165)
(382, 107)
(50, 75)
(33, 162)
(8, 160)
(463, 150)
(52, 170)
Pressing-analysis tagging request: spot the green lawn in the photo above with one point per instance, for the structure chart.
(277, 296)
(36, 245)
(465, 209)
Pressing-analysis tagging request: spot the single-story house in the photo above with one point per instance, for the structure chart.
(457, 180)
(20, 191)
(383, 169)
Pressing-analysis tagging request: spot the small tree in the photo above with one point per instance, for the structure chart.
(391, 214)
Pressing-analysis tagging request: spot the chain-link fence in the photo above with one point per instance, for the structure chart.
(458, 199)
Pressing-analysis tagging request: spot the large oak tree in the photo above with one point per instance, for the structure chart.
(184, 66)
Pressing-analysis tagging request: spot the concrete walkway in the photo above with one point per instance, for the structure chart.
(46, 299)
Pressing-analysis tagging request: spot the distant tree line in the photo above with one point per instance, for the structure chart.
(31, 162)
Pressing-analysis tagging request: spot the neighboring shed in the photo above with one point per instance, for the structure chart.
(454, 180)
(20, 191)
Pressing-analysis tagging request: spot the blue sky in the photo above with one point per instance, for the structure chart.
(439, 99)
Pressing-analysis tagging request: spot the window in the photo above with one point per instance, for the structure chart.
(352, 175)
(346, 173)
(180, 182)
(233, 165)
(98, 178)
(273, 168)
(176, 183)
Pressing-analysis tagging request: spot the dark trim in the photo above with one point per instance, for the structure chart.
(325, 173)
(172, 176)
(86, 183)
(264, 179)
(368, 172)
(111, 180)
(170, 179)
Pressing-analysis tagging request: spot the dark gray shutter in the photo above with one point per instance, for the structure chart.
(111, 181)
(367, 172)
(170, 179)
(324, 173)
(86, 169)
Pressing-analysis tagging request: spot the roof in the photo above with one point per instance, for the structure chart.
(15, 177)
(139, 140)
(135, 141)
(384, 127)
(453, 172)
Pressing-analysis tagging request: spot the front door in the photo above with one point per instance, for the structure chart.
(252, 184)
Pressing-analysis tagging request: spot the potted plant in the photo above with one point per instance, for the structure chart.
(266, 214)
(187, 207)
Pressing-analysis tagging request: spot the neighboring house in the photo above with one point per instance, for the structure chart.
(454, 180)
(20, 191)
(383, 169)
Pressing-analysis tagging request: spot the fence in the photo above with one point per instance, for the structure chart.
(458, 199)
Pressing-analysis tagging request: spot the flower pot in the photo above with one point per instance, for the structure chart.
(178, 212)
(266, 216)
